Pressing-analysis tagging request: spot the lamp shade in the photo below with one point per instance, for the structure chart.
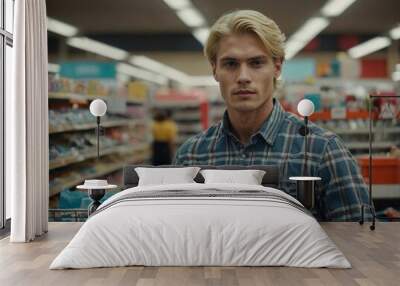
(305, 107)
(98, 107)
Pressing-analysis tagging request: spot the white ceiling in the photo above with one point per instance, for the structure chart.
(153, 16)
(107, 19)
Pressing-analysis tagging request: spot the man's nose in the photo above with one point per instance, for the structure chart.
(244, 75)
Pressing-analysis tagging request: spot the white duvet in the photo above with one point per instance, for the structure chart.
(200, 231)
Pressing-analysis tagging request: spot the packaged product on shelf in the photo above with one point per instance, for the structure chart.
(137, 90)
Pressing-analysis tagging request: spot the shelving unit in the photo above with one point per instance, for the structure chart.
(86, 97)
(76, 158)
(73, 152)
(106, 124)
(342, 107)
(356, 134)
(105, 168)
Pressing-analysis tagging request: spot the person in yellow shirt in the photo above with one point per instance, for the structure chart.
(164, 136)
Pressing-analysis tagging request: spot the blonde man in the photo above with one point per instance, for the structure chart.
(246, 52)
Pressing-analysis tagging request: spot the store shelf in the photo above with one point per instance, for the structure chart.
(177, 104)
(187, 117)
(386, 191)
(87, 126)
(86, 97)
(73, 96)
(365, 145)
(74, 180)
(89, 154)
(365, 130)
(190, 128)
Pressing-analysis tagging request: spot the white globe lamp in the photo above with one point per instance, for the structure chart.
(305, 107)
(98, 108)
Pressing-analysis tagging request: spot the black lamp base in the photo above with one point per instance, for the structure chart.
(96, 195)
(372, 209)
(303, 131)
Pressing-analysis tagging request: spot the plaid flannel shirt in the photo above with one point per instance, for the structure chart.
(339, 194)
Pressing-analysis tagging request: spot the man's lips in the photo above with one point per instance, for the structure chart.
(244, 92)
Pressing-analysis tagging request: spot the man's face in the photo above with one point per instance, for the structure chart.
(245, 72)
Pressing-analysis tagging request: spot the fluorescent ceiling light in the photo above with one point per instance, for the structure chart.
(177, 4)
(99, 48)
(369, 46)
(191, 17)
(61, 28)
(147, 63)
(292, 47)
(310, 29)
(54, 68)
(395, 33)
(304, 35)
(141, 74)
(335, 7)
(201, 35)
(160, 68)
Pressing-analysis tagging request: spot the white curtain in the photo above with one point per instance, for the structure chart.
(27, 124)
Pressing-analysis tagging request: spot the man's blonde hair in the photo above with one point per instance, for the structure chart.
(246, 21)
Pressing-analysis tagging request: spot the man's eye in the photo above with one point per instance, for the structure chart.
(256, 63)
(230, 64)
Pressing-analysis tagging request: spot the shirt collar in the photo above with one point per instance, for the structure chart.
(269, 129)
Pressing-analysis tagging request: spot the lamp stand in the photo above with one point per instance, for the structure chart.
(304, 132)
(98, 137)
(370, 205)
(96, 194)
(99, 132)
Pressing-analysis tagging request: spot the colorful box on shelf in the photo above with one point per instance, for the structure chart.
(327, 115)
(137, 91)
(385, 170)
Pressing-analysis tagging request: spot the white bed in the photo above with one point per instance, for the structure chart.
(250, 225)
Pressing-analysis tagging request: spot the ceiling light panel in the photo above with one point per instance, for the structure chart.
(158, 67)
(178, 4)
(61, 28)
(395, 33)
(96, 47)
(201, 35)
(191, 17)
(304, 35)
(334, 8)
(141, 74)
(310, 29)
(369, 47)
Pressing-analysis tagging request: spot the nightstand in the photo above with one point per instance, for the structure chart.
(96, 190)
(305, 190)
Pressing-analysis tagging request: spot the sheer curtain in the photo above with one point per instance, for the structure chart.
(27, 124)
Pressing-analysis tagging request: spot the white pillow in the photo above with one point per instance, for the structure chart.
(248, 177)
(163, 176)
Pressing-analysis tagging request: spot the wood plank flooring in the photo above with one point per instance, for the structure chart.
(374, 255)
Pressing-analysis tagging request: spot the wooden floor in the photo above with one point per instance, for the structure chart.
(374, 255)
